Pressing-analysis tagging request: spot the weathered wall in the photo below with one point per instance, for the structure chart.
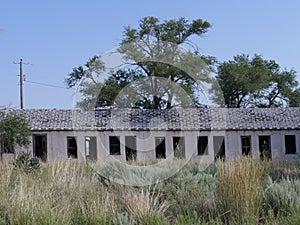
(57, 144)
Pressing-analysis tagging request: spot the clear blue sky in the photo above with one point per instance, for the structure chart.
(55, 36)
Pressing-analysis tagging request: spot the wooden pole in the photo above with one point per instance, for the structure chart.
(21, 85)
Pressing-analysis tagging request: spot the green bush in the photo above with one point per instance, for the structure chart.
(282, 197)
(283, 169)
(190, 191)
(27, 163)
(292, 218)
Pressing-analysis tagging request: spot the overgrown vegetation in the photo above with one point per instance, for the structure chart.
(243, 191)
(27, 163)
(14, 130)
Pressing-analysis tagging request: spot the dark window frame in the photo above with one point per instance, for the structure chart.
(91, 153)
(112, 146)
(179, 141)
(43, 147)
(290, 145)
(246, 144)
(219, 147)
(265, 146)
(130, 147)
(160, 147)
(202, 150)
(71, 149)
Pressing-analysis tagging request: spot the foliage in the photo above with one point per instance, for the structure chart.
(256, 82)
(160, 75)
(291, 218)
(283, 197)
(285, 169)
(93, 65)
(107, 93)
(27, 163)
(294, 98)
(14, 131)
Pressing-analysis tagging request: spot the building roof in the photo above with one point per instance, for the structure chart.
(172, 119)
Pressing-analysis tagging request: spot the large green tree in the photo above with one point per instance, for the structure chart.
(152, 80)
(256, 82)
(14, 130)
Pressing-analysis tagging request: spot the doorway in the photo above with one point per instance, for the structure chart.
(160, 147)
(40, 146)
(179, 147)
(265, 147)
(219, 147)
(72, 147)
(130, 148)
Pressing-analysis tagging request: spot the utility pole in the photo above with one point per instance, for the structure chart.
(21, 84)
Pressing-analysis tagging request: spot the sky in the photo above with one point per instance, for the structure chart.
(52, 37)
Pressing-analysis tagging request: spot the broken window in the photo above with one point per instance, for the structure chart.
(114, 145)
(91, 148)
(219, 147)
(290, 144)
(179, 147)
(72, 147)
(160, 147)
(130, 147)
(40, 146)
(203, 145)
(246, 145)
(265, 147)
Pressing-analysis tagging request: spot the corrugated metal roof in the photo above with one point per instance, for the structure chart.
(172, 119)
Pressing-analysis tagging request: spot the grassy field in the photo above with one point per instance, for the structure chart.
(244, 191)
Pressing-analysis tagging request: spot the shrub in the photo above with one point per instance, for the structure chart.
(282, 197)
(190, 190)
(121, 219)
(27, 163)
(291, 218)
(283, 169)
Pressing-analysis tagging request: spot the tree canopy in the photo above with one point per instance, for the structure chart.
(256, 82)
(14, 130)
(157, 67)
(160, 75)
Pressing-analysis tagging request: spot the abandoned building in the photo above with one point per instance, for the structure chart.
(125, 134)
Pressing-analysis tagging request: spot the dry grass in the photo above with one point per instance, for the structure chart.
(69, 192)
(143, 204)
(240, 189)
(59, 193)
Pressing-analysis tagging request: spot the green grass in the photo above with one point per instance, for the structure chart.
(243, 191)
(240, 189)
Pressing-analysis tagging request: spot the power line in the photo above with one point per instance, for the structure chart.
(47, 85)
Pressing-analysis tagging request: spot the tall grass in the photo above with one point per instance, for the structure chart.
(68, 192)
(143, 204)
(240, 189)
(61, 193)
